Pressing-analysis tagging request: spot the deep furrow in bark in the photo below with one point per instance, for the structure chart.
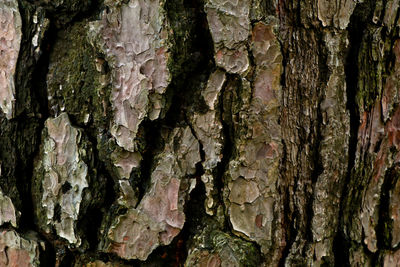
(317, 166)
(284, 189)
(193, 54)
(356, 29)
(90, 222)
(152, 145)
(228, 146)
(32, 108)
(384, 223)
(351, 72)
(33, 86)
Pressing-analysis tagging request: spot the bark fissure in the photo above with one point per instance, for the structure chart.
(355, 33)
(284, 188)
(153, 144)
(384, 224)
(29, 121)
(33, 88)
(228, 145)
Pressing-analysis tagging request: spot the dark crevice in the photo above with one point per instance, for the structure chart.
(91, 11)
(32, 112)
(47, 256)
(64, 257)
(101, 198)
(356, 28)
(90, 225)
(153, 143)
(395, 31)
(298, 218)
(290, 227)
(192, 59)
(193, 62)
(57, 213)
(316, 126)
(316, 172)
(384, 227)
(284, 187)
(86, 257)
(193, 55)
(226, 98)
(65, 13)
(66, 187)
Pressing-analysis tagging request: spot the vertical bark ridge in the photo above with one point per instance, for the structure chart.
(316, 125)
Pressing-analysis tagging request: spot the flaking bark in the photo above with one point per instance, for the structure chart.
(199, 133)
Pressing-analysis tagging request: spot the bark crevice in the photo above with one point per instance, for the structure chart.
(228, 144)
(356, 28)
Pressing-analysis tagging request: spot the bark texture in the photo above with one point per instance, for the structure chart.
(199, 133)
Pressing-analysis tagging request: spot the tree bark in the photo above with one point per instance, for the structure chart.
(199, 133)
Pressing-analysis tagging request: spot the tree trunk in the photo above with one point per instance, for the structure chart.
(199, 133)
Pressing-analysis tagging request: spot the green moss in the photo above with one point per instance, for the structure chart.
(373, 56)
(63, 12)
(36, 187)
(74, 83)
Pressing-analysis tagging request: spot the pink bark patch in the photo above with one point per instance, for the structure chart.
(262, 32)
(219, 55)
(169, 234)
(267, 151)
(214, 261)
(396, 50)
(396, 120)
(263, 86)
(259, 219)
(18, 258)
(162, 206)
(172, 193)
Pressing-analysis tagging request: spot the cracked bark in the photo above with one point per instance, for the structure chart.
(199, 133)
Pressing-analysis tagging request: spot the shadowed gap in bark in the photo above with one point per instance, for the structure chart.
(32, 99)
(384, 228)
(225, 105)
(358, 21)
(323, 78)
(31, 106)
(193, 63)
(283, 188)
(193, 56)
